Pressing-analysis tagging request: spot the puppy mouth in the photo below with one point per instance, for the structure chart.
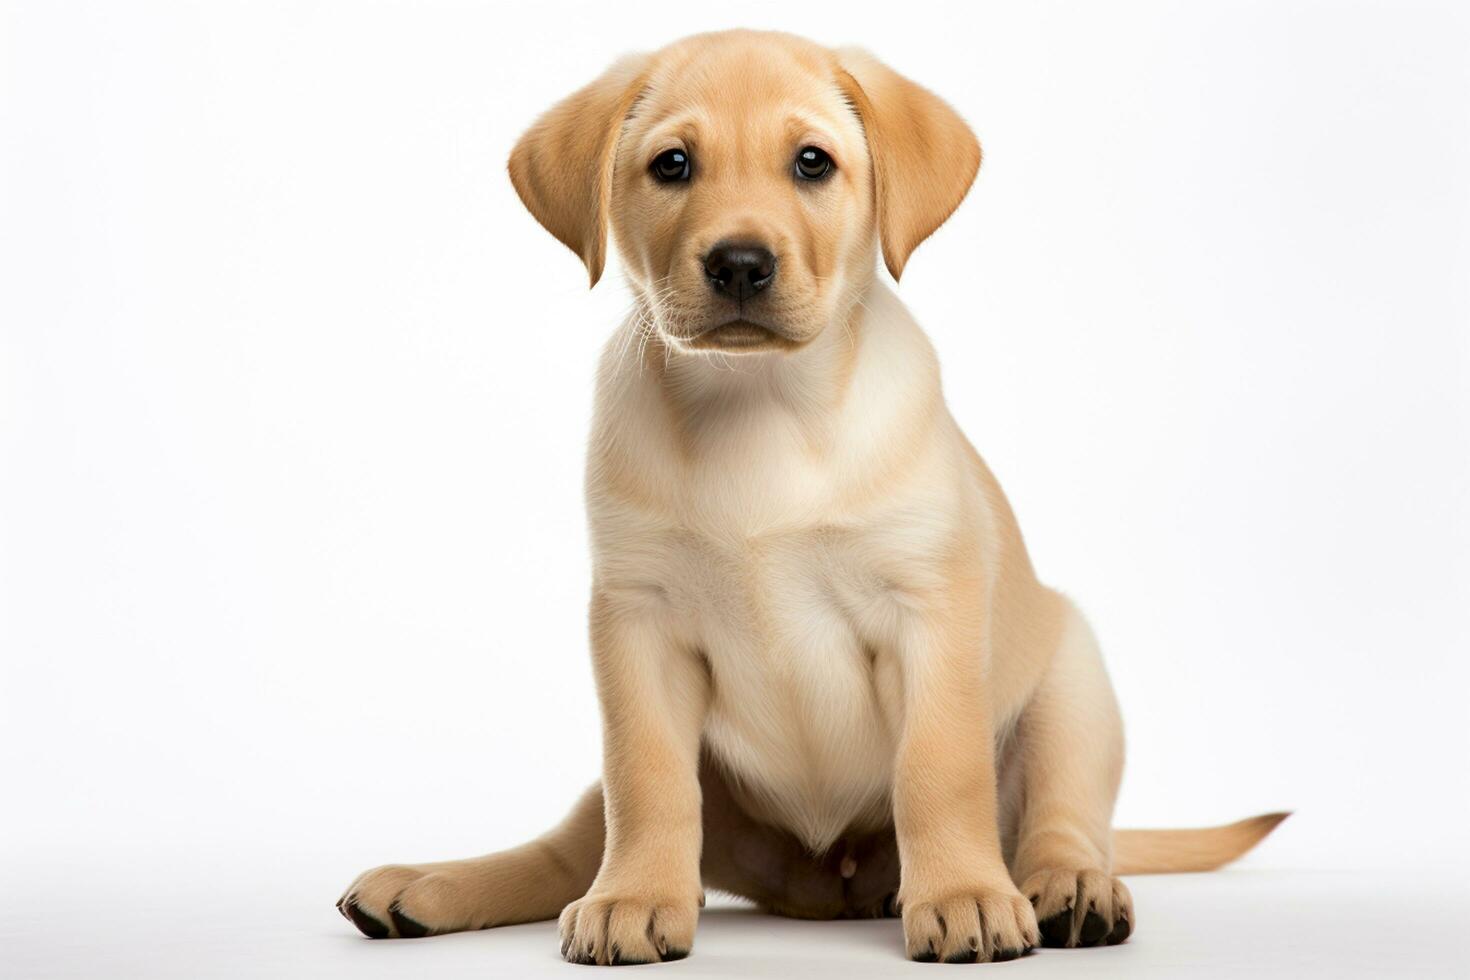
(741, 336)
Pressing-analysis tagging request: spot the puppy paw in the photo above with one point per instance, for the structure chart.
(623, 930)
(399, 901)
(978, 925)
(1080, 907)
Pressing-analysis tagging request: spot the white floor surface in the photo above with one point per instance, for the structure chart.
(279, 922)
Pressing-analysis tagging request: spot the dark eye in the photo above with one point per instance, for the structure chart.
(813, 164)
(670, 165)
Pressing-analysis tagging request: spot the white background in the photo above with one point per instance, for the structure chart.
(294, 394)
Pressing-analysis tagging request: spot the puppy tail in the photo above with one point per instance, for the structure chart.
(1151, 852)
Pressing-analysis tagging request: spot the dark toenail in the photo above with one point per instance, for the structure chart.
(1001, 955)
(963, 956)
(619, 960)
(927, 956)
(366, 924)
(1094, 928)
(1121, 930)
(675, 954)
(407, 928)
(1056, 930)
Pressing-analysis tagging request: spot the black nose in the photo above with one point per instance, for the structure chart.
(740, 270)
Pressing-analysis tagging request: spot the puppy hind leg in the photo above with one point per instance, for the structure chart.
(529, 883)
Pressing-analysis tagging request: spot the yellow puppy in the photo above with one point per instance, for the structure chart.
(830, 679)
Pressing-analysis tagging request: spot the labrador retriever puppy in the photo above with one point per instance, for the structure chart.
(830, 681)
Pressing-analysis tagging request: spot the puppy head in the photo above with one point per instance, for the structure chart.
(747, 178)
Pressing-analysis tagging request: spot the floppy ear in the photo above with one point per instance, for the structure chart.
(924, 156)
(562, 167)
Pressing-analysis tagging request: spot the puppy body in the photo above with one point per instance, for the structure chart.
(790, 521)
(830, 679)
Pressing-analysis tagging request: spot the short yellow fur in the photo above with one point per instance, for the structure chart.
(810, 594)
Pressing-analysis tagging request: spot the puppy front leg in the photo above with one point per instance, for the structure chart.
(644, 903)
(959, 903)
